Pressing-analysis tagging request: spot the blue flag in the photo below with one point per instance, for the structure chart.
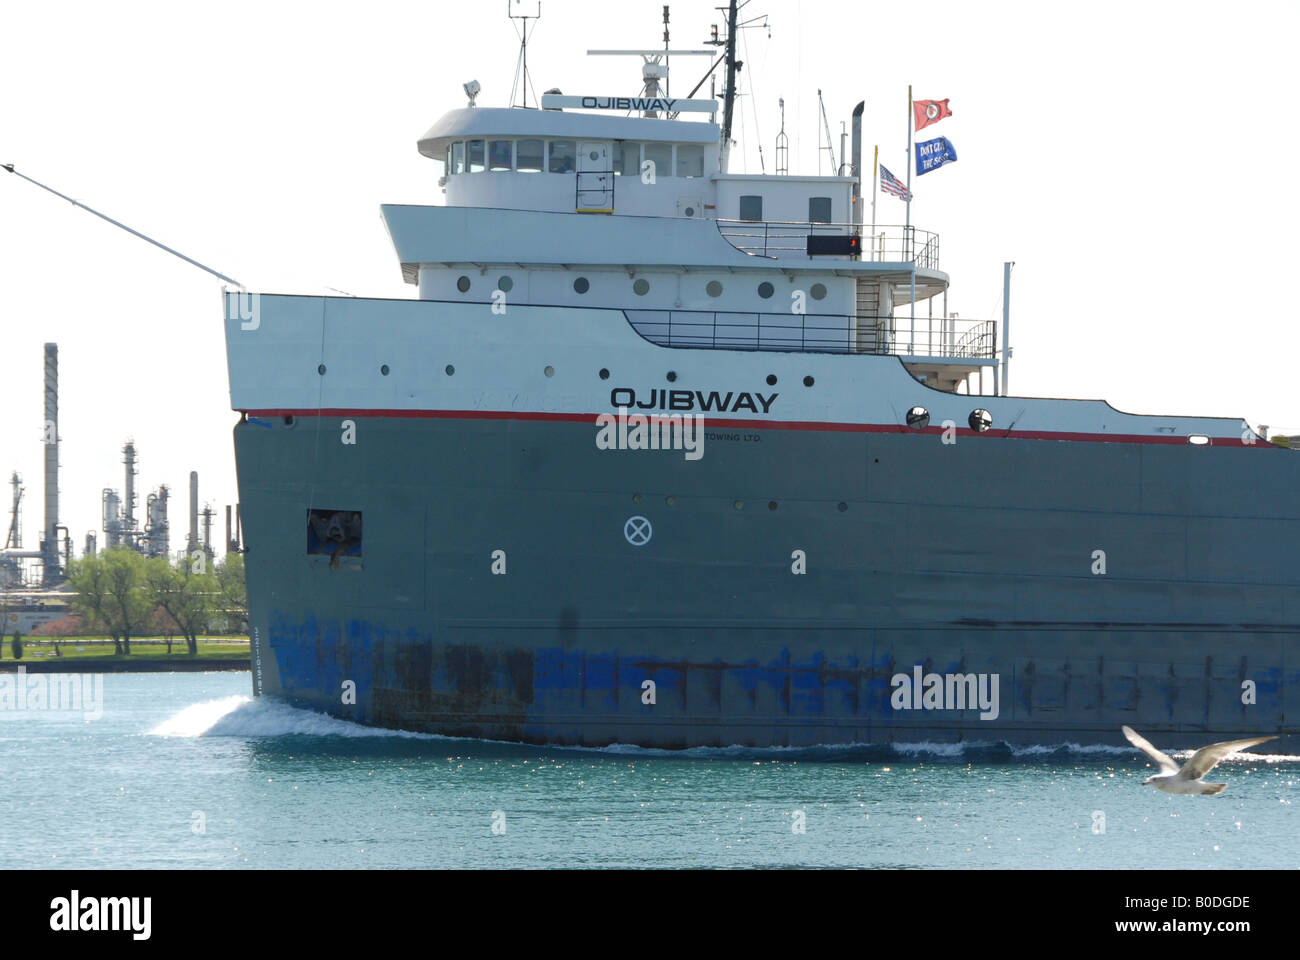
(933, 154)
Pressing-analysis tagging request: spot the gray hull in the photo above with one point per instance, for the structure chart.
(977, 560)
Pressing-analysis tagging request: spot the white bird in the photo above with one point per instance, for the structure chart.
(1187, 779)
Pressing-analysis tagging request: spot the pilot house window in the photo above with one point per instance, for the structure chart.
(564, 156)
(458, 157)
(690, 160)
(499, 155)
(819, 209)
(476, 156)
(751, 208)
(529, 155)
(661, 155)
(627, 158)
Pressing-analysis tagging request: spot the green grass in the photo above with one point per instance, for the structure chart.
(147, 648)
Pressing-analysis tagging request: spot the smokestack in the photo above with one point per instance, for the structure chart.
(193, 541)
(128, 501)
(50, 544)
(856, 172)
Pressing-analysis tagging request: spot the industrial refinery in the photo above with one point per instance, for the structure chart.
(123, 524)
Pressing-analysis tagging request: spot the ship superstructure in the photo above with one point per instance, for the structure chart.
(478, 511)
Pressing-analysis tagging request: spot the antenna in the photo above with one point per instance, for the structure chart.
(829, 148)
(782, 146)
(522, 80)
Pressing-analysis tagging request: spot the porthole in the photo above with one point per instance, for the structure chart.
(672, 376)
(463, 284)
(450, 370)
(771, 504)
(581, 285)
(670, 500)
(808, 381)
(841, 506)
(818, 291)
(739, 505)
(980, 420)
(918, 418)
(289, 420)
(641, 287)
(384, 370)
(765, 290)
(636, 498)
(594, 155)
(604, 374)
(549, 371)
(321, 369)
(714, 289)
(1198, 440)
(505, 284)
(771, 379)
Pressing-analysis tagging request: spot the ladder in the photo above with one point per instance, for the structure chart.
(869, 335)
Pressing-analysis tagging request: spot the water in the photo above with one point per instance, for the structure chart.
(184, 770)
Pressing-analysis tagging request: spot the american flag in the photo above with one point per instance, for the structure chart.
(891, 184)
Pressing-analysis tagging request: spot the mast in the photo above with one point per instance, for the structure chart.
(730, 102)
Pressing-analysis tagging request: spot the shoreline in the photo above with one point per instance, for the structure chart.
(144, 664)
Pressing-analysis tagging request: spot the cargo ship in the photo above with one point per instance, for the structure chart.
(669, 455)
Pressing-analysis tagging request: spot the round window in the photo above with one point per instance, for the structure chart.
(980, 420)
(581, 285)
(689, 211)
(714, 289)
(641, 287)
(918, 418)
(818, 291)
(463, 284)
(505, 284)
(595, 155)
(765, 290)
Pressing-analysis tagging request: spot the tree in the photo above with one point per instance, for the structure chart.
(88, 577)
(68, 625)
(111, 592)
(184, 595)
(234, 592)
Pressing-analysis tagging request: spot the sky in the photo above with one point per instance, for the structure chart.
(1133, 159)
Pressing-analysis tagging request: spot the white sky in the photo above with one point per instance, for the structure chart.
(1135, 159)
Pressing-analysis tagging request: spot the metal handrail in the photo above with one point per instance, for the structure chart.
(813, 333)
(785, 238)
(578, 190)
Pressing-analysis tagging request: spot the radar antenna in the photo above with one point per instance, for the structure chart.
(522, 80)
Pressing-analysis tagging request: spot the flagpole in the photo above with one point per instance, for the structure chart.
(875, 165)
(911, 347)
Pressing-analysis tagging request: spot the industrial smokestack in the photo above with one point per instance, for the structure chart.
(51, 572)
(856, 172)
(193, 541)
(128, 501)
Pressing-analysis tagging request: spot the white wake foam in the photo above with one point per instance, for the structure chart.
(241, 716)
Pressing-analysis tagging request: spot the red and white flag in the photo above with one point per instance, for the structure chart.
(927, 112)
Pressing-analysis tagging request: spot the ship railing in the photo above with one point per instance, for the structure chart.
(940, 337)
(815, 333)
(781, 239)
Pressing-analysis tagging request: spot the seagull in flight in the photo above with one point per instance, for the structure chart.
(1187, 779)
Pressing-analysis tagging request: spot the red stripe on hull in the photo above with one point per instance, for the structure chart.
(757, 425)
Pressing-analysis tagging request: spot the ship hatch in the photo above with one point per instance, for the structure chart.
(334, 533)
(595, 187)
